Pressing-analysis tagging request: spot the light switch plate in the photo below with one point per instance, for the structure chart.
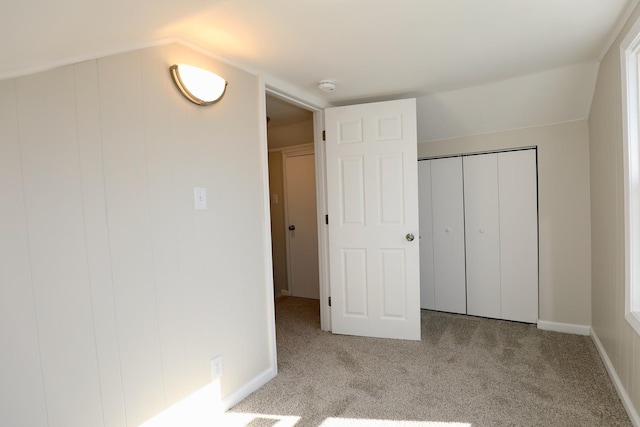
(200, 195)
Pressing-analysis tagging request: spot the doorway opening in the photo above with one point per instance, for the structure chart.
(278, 103)
(292, 191)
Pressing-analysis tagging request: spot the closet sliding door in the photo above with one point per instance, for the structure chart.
(482, 224)
(479, 235)
(425, 208)
(501, 220)
(448, 235)
(518, 235)
(442, 264)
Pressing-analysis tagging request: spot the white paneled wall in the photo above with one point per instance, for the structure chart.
(21, 379)
(97, 241)
(127, 199)
(114, 293)
(617, 340)
(57, 249)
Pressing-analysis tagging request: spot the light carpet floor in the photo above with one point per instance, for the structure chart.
(465, 371)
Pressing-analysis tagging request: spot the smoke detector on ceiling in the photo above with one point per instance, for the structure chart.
(327, 86)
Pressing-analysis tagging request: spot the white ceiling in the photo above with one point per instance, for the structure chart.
(371, 48)
(282, 113)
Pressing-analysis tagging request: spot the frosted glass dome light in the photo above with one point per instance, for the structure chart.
(199, 86)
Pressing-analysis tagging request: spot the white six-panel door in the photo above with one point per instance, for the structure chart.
(371, 155)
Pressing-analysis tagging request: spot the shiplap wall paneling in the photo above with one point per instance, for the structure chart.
(97, 240)
(448, 234)
(482, 225)
(59, 265)
(202, 160)
(427, 284)
(128, 210)
(22, 403)
(160, 152)
(518, 196)
(112, 298)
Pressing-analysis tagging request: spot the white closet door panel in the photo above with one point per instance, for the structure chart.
(482, 225)
(448, 235)
(427, 284)
(518, 235)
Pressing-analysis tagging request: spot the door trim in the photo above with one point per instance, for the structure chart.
(323, 227)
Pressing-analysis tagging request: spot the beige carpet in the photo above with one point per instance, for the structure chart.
(467, 370)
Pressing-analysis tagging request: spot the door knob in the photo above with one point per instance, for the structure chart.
(292, 227)
(410, 237)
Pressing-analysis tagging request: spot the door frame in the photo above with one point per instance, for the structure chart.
(317, 108)
(295, 151)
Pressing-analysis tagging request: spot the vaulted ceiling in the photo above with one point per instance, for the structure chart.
(370, 48)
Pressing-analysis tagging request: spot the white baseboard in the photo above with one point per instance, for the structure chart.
(566, 328)
(622, 393)
(238, 396)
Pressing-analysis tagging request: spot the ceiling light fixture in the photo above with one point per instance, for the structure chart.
(199, 86)
(327, 86)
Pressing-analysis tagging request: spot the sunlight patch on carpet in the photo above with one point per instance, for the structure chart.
(256, 420)
(354, 422)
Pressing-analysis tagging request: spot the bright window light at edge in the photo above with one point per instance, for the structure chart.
(199, 86)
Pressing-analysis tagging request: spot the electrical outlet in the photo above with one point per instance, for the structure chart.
(216, 367)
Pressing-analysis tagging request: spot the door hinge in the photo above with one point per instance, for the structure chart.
(326, 219)
(329, 301)
(324, 135)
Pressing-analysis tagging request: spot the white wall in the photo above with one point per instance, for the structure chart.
(564, 223)
(619, 342)
(114, 293)
(554, 96)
